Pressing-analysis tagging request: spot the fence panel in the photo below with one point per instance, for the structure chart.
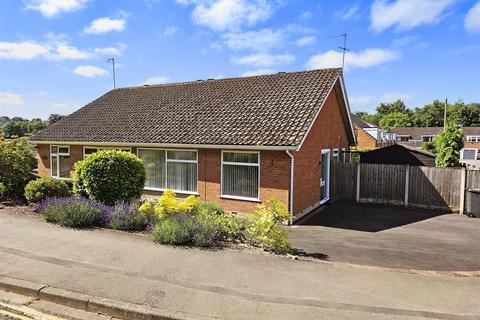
(343, 183)
(382, 183)
(435, 187)
(473, 179)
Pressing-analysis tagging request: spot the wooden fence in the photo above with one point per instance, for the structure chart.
(427, 187)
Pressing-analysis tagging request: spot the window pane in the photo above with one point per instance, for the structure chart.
(154, 162)
(63, 150)
(469, 154)
(64, 166)
(182, 155)
(89, 151)
(240, 181)
(182, 176)
(240, 157)
(54, 150)
(54, 166)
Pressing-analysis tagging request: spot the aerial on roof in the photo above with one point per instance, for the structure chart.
(416, 133)
(270, 110)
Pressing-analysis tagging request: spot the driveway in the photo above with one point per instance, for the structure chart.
(387, 236)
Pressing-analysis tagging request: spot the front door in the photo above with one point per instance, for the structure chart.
(325, 176)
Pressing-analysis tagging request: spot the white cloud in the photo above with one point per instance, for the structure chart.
(261, 40)
(22, 50)
(104, 25)
(170, 31)
(264, 60)
(64, 52)
(362, 59)
(51, 8)
(111, 51)
(9, 98)
(361, 99)
(157, 80)
(223, 15)
(89, 71)
(348, 13)
(407, 14)
(392, 96)
(472, 19)
(258, 72)
(305, 41)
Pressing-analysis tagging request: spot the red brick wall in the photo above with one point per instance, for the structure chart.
(274, 176)
(364, 140)
(329, 131)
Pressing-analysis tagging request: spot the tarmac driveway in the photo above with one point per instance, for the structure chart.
(387, 236)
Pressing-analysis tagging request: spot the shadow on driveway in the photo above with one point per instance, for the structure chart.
(365, 217)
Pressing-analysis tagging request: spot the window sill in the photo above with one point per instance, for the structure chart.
(176, 191)
(240, 198)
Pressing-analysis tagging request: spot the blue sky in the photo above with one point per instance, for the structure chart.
(53, 52)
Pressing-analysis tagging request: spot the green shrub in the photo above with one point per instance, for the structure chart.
(263, 228)
(173, 231)
(17, 162)
(109, 176)
(73, 212)
(231, 226)
(37, 190)
(3, 190)
(205, 230)
(126, 216)
(211, 207)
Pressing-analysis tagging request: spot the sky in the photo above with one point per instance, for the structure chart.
(53, 53)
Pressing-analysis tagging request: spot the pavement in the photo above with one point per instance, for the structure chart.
(388, 236)
(221, 284)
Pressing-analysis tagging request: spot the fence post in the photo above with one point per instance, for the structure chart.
(463, 186)
(407, 184)
(358, 182)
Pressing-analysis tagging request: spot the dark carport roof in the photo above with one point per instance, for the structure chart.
(270, 110)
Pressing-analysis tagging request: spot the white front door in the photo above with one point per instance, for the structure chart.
(325, 176)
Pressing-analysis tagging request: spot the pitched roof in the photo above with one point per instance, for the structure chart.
(356, 120)
(416, 133)
(270, 110)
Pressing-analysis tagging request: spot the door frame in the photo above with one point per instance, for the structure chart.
(327, 180)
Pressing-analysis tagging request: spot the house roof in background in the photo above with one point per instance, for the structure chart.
(399, 154)
(356, 120)
(269, 110)
(416, 133)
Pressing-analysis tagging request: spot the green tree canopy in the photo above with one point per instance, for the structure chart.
(395, 120)
(386, 108)
(447, 145)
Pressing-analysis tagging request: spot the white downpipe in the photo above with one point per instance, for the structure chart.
(292, 166)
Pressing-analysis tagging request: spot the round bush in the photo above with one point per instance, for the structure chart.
(173, 231)
(110, 176)
(73, 212)
(37, 190)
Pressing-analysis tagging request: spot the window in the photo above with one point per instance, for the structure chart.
(427, 138)
(240, 174)
(344, 155)
(469, 154)
(335, 155)
(170, 169)
(403, 138)
(89, 150)
(60, 161)
(473, 138)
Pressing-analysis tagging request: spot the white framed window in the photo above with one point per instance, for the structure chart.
(335, 155)
(469, 154)
(170, 169)
(403, 137)
(427, 138)
(344, 155)
(240, 175)
(89, 150)
(60, 162)
(473, 138)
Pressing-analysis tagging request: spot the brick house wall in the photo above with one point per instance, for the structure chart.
(329, 131)
(274, 176)
(364, 140)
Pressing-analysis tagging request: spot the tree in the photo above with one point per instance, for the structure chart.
(54, 117)
(430, 115)
(448, 144)
(4, 119)
(465, 115)
(396, 106)
(366, 116)
(395, 120)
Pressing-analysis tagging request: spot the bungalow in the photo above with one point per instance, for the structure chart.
(237, 142)
(369, 135)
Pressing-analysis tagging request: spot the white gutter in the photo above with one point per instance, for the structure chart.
(166, 145)
(292, 166)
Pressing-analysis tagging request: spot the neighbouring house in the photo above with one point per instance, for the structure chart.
(416, 136)
(399, 154)
(237, 142)
(369, 135)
